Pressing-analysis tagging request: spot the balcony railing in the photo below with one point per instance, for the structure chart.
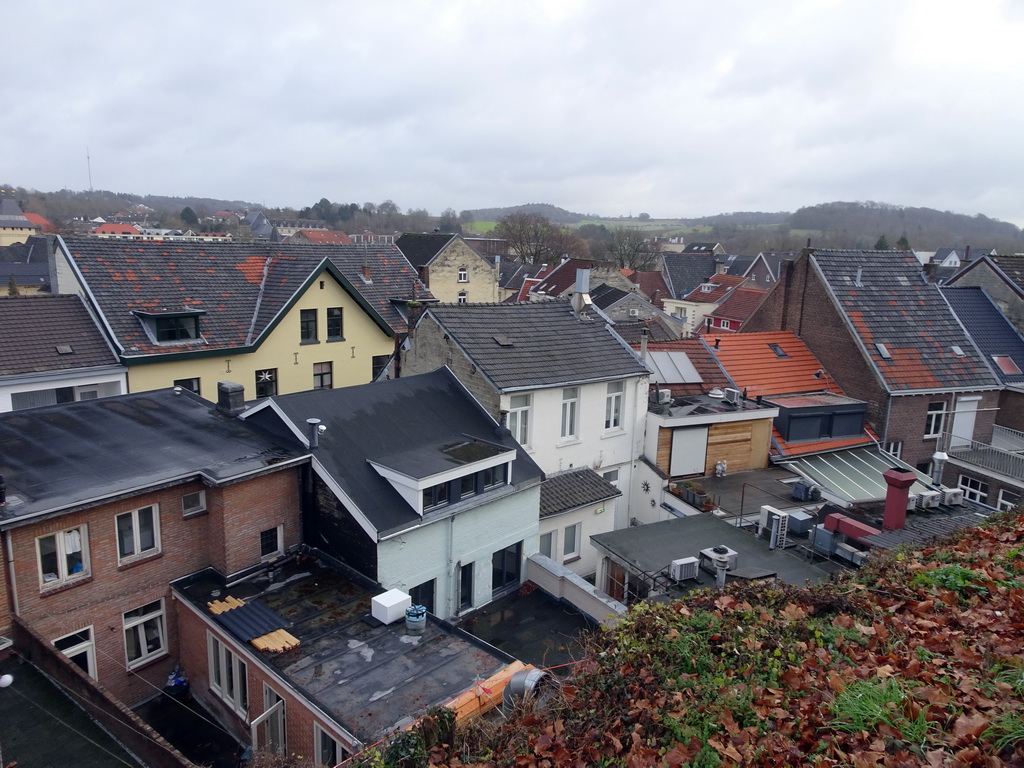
(1005, 455)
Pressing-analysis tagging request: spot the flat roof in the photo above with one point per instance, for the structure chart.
(652, 548)
(372, 678)
(810, 399)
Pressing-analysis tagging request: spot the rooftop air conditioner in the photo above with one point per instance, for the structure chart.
(683, 568)
(929, 499)
(664, 397)
(847, 552)
(911, 502)
(634, 313)
(952, 497)
(732, 396)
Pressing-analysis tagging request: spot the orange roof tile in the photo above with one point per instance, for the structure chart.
(781, 448)
(325, 236)
(42, 223)
(740, 303)
(753, 363)
(722, 285)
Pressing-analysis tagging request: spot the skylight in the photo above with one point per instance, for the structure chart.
(779, 351)
(883, 350)
(958, 350)
(1007, 365)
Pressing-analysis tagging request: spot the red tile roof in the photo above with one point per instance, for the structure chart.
(781, 448)
(562, 276)
(723, 285)
(652, 285)
(753, 364)
(116, 229)
(42, 223)
(703, 361)
(740, 303)
(322, 236)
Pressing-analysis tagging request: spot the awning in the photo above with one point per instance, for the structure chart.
(854, 475)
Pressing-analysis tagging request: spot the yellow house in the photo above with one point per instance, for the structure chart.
(14, 226)
(274, 318)
(451, 268)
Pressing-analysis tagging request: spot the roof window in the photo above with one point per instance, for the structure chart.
(883, 350)
(1007, 365)
(779, 351)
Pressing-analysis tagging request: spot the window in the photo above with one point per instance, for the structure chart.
(467, 486)
(192, 385)
(63, 556)
(505, 568)
(612, 476)
(193, 503)
(329, 751)
(322, 375)
(974, 489)
(335, 326)
(138, 533)
(435, 496)
(463, 297)
(570, 404)
(379, 363)
(269, 729)
(494, 476)
(725, 324)
(547, 544)
(176, 328)
(519, 418)
(613, 405)
(571, 541)
(144, 635)
(466, 587)
(894, 449)
(1007, 500)
(463, 275)
(80, 649)
(266, 382)
(307, 326)
(935, 420)
(778, 350)
(228, 676)
(272, 543)
(423, 594)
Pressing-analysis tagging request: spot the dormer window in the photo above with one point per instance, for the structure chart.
(172, 327)
(708, 287)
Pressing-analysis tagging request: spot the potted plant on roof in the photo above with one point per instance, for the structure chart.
(694, 493)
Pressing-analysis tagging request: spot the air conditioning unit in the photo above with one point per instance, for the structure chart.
(929, 499)
(683, 568)
(664, 397)
(634, 313)
(911, 502)
(710, 553)
(952, 497)
(847, 552)
(733, 396)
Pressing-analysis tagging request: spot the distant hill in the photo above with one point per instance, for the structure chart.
(551, 212)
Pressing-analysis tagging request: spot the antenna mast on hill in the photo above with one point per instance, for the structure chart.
(88, 164)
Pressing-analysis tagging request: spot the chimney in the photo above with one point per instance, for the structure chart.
(313, 433)
(643, 344)
(366, 273)
(899, 482)
(230, 397)
(581, 299)
(717, 343)
(720, 267)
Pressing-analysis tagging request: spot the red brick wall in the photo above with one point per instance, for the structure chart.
(5, 605)
(187, 545)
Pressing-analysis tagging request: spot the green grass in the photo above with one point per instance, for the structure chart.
(1007, 730)
(479, 227)
(866, 704)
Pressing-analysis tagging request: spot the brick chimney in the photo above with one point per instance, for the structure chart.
(899, 481)
(230, 397)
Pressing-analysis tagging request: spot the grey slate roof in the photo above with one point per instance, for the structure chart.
(381, 420)
(685, 271)
(242, 287)
(895, 307)
(33, 327)
(571, 490)
(64, 456)
(991, 331)
(11, 215)
(537, 344)
(419, 249)
(605, 295)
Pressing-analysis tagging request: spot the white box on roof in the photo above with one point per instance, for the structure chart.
(388, 607)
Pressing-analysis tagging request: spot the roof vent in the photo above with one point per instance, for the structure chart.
(504, 341)
(958, 350)
(64, 349)
(856, 280)
(716, 392)
(883, 350)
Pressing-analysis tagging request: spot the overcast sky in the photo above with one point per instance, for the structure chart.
(675, 108)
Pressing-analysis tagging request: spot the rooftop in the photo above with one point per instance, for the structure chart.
(573, 489)
(370, 677)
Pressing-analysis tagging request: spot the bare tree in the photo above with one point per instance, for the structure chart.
(535, 239)
(628, 248)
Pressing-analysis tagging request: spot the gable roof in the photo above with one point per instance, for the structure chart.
(243, 288)
(573, 489)
(1009, 268)
(421, 248)
(903, 325)
(535, 345)
(700, 247)
(11, 215)
(721, 286)
(605, 295)
(96, 446)
(995, 336)
(382, 420)
(741, 303)
(753, 364)
(41, 223)
(116, 229)
(34, 328)
(651, 284)
(561, 277)
(685, 271)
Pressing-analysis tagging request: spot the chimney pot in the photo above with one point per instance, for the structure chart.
(313, 433)
(899, 481)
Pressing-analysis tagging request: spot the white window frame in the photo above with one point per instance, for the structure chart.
(463, 275)
(463, 297)
(221, 658)
(188, 509)
(138, 624)
(571, 534)
(324, 760)
(935, 421)
(725, 325)
(552, 544)
(974, 489)
(280, 544)
(86, 646)
(570, 424)
(60, 539)
(519, 417)
(894, 449)
(137, 552)
(274, 715)
(1004, 504)
(611, 476)
(613, 401)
